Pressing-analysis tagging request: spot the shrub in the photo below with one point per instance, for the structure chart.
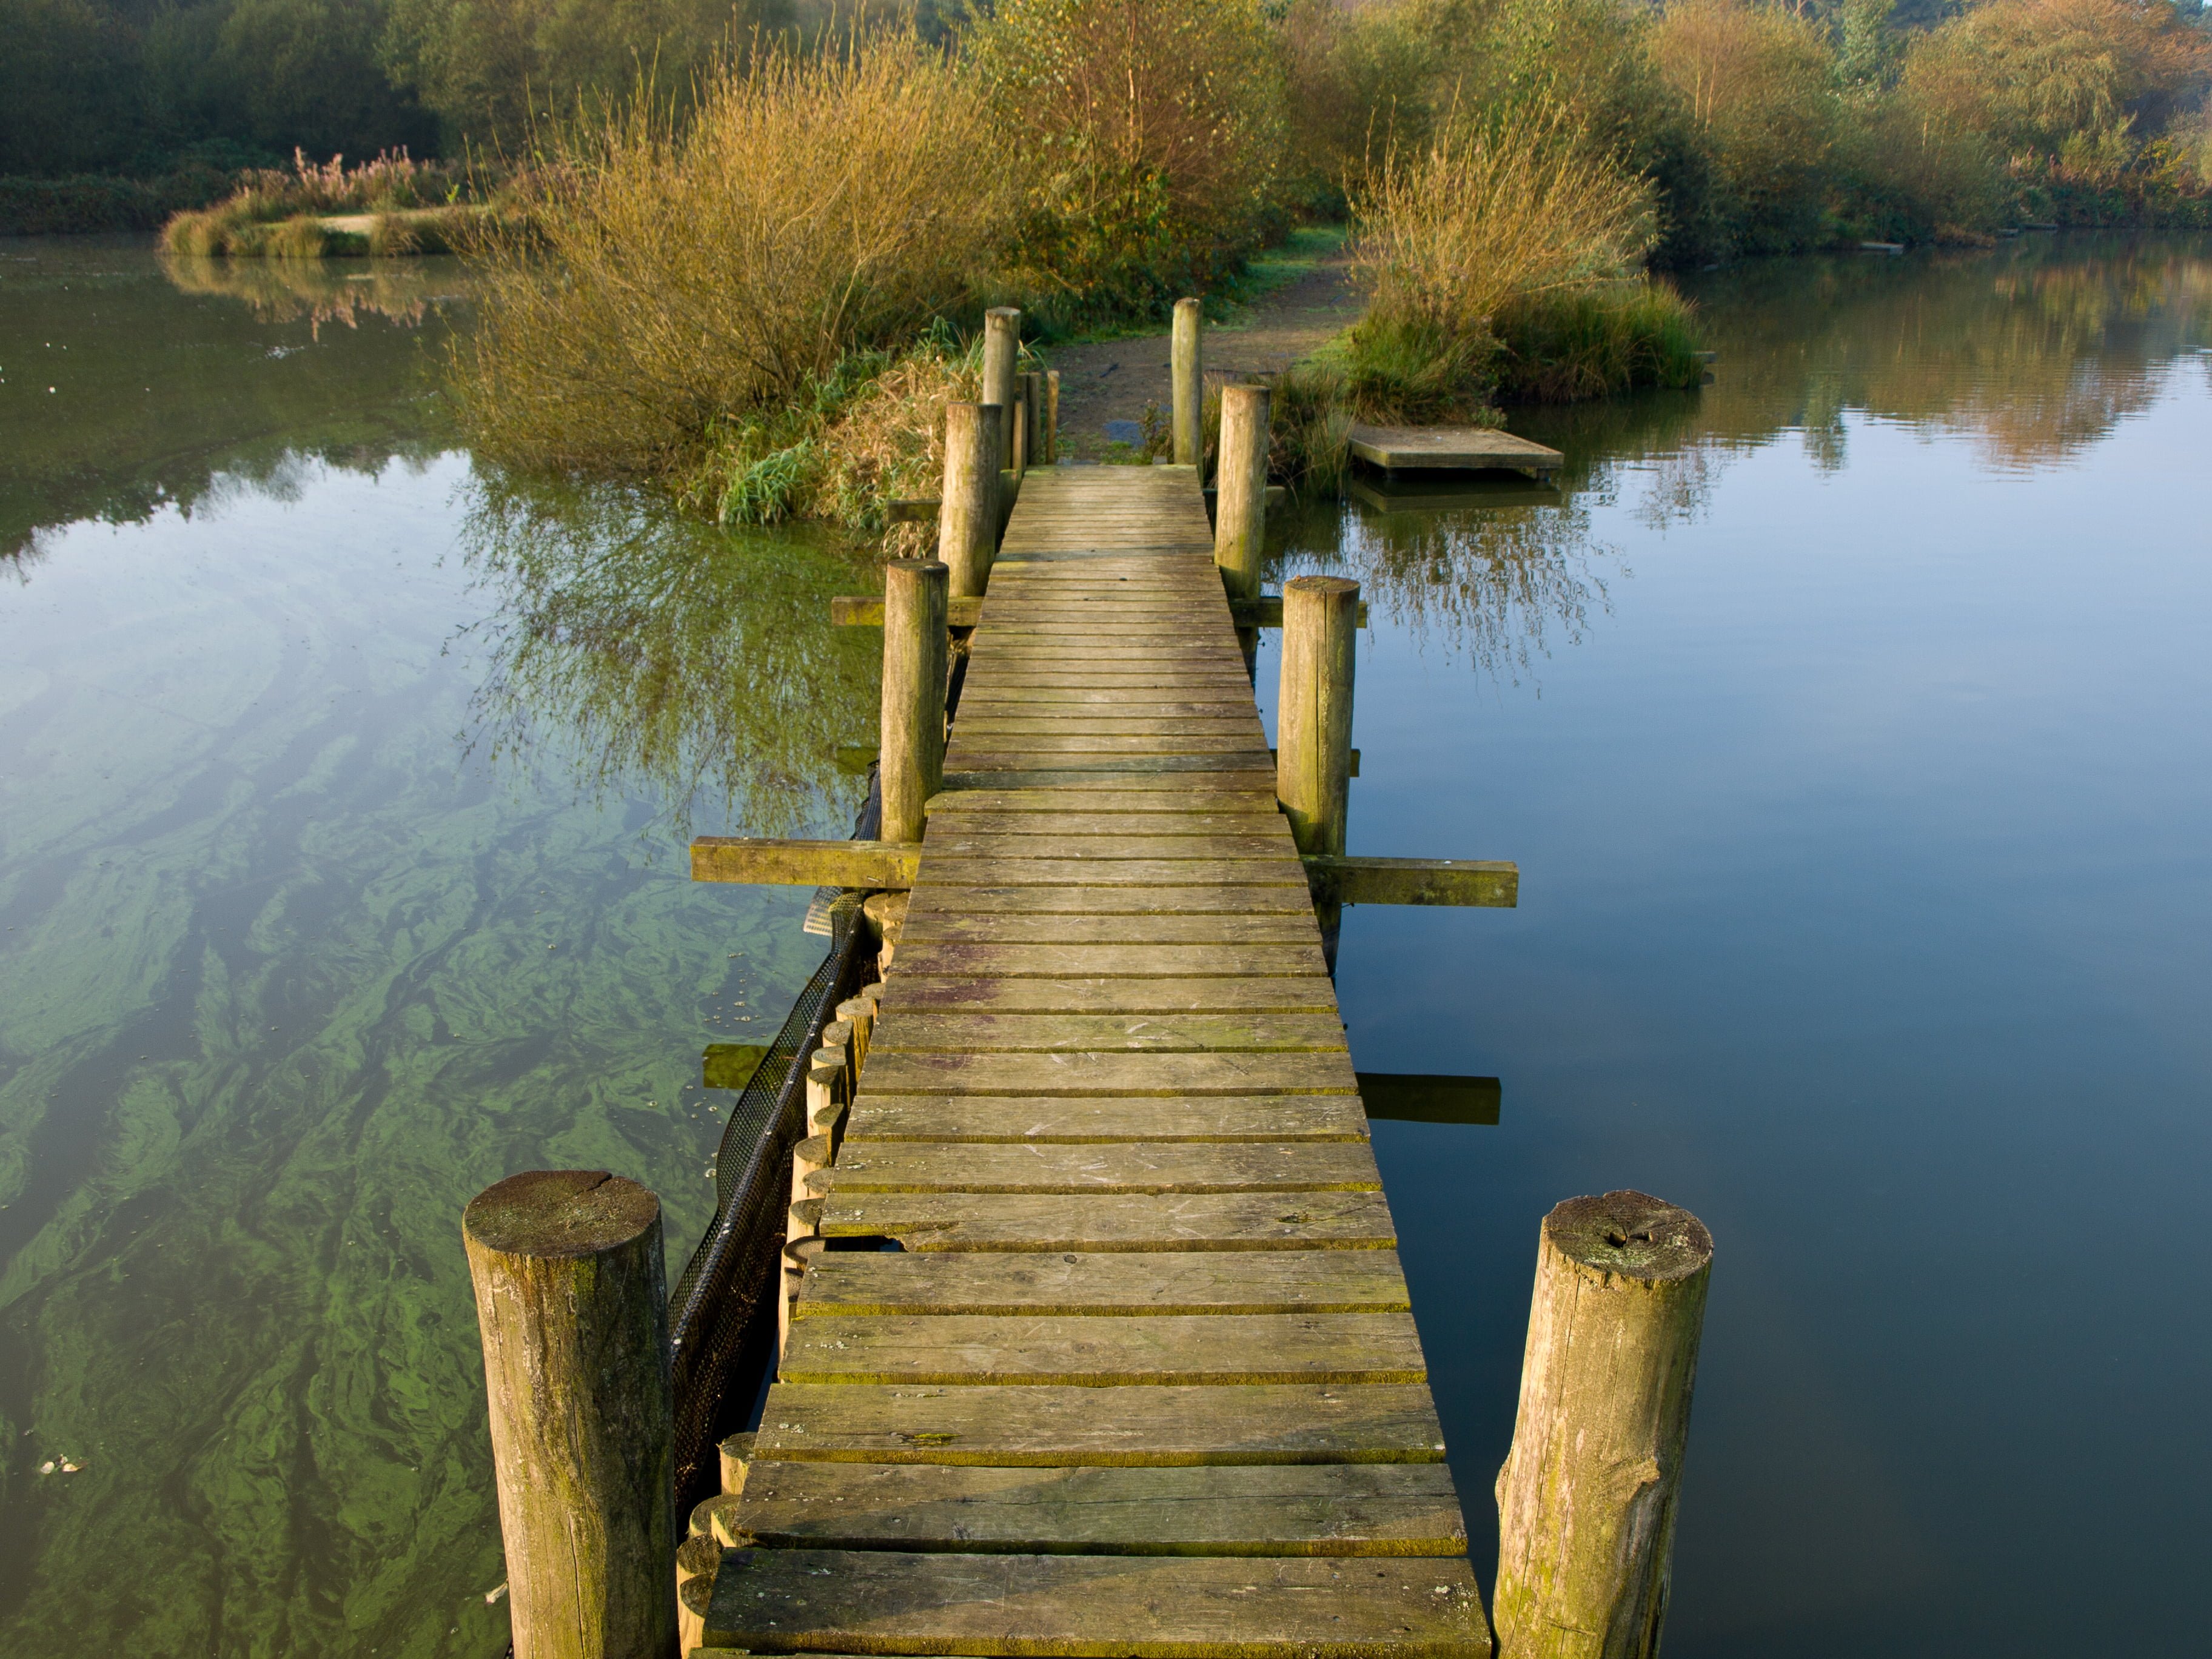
(1564, 345)
(815, 209)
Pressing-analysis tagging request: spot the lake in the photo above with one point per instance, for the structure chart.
(1845, 719)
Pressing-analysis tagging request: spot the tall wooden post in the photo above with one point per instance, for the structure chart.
(1240, 492)
(1052, 415)
(573, 1308)
(1586, 1500)
(1020, 464)
(915, 661)
(1189, 393)
(1034, 446)
(1313, 717)
(1002, 345)
(967, 514)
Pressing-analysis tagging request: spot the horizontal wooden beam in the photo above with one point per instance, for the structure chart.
(866, 610)
(1487, 881)
(880, 864)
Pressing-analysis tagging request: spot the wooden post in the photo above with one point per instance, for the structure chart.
(1020, 463)
(1240, 499)
(1586, 1500)
(573, 1308)
(1002, 346)
(967, 514)
(1052, 415)
(915, 661)
(1313, 717)
(1032, 393)
(1188, 392)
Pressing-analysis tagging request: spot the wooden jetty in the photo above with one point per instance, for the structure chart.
(1144, 1378)
(1452, 449)
(1092, 1336)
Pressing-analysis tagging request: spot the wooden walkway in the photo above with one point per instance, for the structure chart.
(1144, 1380)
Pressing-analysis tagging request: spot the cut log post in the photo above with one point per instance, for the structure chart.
(858, 1012)
(1188, 393)
(1240, 511)
(1019, 463)
(1002, 348)
(1586, 1500)
(1313, 736)
(915, 661)
(797, 1254)
(1032, 394)
(737, 1455)
(573, 1308)
(1052, 415)
(968, 513)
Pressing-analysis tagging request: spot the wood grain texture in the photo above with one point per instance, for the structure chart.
(1130, 995)
(915, 1032)
(1127, 1167)
(886, 1601)
(856, 1282)
(1091, 1072)
(1024, 1426)
(987, 1120)
(1116, 1221)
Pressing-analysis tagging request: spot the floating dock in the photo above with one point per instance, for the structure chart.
(1108, 1351)
(1451, 449)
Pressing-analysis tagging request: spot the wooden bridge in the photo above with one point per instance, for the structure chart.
(1143, 1379)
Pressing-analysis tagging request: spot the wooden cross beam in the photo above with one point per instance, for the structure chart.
(891, 866)
(866, 610)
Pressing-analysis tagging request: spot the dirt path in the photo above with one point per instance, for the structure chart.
(1114, 380)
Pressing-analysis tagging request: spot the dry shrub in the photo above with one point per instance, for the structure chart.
(675, 281)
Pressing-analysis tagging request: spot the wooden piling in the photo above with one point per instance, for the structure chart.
(1020, 463)
(1002, 346)
(573, 1308)
(1313, 719)
(1032, 395)
(1052, 415)
(1187, 394)
(968, 510)
(1586, 1500)
(1240, 500)
(915, 661)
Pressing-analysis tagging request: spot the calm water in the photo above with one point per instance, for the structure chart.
(1845, 719)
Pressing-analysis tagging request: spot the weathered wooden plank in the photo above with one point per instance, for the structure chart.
(1147, 995)
(1084, 1352)
(943, 898)
(1341, 1509)
(1269, 841)
(805, 863)
(1122, 796)
(984, 1118)
(1116, 1221)
(1190, 1282)
(1021, 1427)
(1084, 721)
(1045, 747)
(1133, 1167)
(1091, 1072)
(915, 1032)
(1281, 869)
(953, 821)
(970, 961)
(1109, 772)
(1415, 881)
(1211, 925)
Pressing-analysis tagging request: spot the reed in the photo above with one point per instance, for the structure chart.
(1564, 345)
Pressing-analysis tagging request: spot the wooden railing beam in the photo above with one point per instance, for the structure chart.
(880, 866)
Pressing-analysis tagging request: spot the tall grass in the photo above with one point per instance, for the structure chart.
(678, 282)
(1564, 345)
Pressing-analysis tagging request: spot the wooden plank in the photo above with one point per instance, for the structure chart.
(1112, 773)
(1089, 1352)
(1281, 869)
(1116, 1221)
(1084, 721)
(1121, 797)
(1415, 881)
(857, 1282)
(1022, 1427)
(1090, 1072)
(1449, 449)
(882, 864)
(1044, 748)
(953, 821)
(1150, 994)
(1272, 841)
(1129, 1167)
(1041, 1606)
(969, 961)
(1211, 925)
(915, 1032)
(944, 899)
(986, 1119)
(1341, 1509)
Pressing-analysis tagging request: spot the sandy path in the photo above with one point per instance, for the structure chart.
(1114, 380)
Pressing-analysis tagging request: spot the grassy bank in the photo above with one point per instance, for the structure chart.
(388, 206)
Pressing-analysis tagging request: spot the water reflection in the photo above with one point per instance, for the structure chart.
(664, 654)
(319, 291)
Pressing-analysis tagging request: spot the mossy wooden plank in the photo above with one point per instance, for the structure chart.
(1341, 1509)
(1105, 1286)
(944, 898)
(1097, 723)
(1090, 1072)
(1046, 748)
(1151, 994)
(1415, 881)
(951, 820)
(805, 863)
(986, 1119)
(1268, 841)
(1135, 1606)
(1116, 772)
(1156, 699)
(972, 961)
(1116, 1167)
(1018, 1427)
(1116, 1221)
(1089, 1352)
(1122, 797)
(1057, 926)
(1278, 869)
(915, 1032)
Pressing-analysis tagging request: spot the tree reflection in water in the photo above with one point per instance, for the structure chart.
(655, 655)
